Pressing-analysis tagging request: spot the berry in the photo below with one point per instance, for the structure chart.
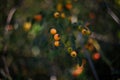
(96, 56)
(84, 31)
(27, 26)
(53, 31)
(38, 17)
(56, 43)
(68, 6)
(69, 49)
(59, 7)
(62, 15)
(73, 54)
(56, 37)
(56, 14)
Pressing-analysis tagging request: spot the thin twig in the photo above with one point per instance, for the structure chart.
(9, 18)
(91, 65)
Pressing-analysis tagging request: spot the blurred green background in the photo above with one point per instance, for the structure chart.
(27, 50)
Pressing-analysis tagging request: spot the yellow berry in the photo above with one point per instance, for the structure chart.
(84, 31)
(62, 15)
(69, 49)
(88, 32)
(59, 7)
(56, 14)
(27, 26)
(73, 54)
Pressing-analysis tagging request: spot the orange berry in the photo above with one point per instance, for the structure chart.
(96, 56)
(68, 6)
(53, 31)
(73, 54)
(56, 43)
(56, 14)
(38, 17)
(56, 37)
(77, 72)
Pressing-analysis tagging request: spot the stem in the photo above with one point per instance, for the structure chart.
(91, 65)
(10, 15)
